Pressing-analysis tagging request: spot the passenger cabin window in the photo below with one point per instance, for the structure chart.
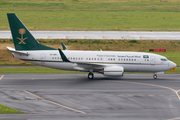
(146, 59)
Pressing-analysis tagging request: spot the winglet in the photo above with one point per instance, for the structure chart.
(64, 58)
(64, 47)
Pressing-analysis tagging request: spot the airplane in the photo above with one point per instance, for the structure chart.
(108, 63)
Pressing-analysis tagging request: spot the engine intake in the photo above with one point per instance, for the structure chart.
(113, 71)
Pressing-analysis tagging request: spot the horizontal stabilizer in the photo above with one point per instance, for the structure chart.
(14, 51)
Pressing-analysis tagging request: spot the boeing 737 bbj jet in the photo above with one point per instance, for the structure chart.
(108, 63)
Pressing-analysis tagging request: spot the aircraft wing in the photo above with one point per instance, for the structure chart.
(14, 51)
(82, 65)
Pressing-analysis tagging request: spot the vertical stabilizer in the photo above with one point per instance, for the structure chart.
(23, 39)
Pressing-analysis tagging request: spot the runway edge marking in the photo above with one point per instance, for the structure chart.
(1, 77)
(54, 102)
(152, 85)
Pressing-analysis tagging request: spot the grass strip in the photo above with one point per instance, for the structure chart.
(7, 110)
(103, 16)
(172, 47)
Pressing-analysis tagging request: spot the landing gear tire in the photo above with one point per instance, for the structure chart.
(90, 75)
(155, 76)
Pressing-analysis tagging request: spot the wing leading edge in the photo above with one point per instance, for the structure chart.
(82, 65)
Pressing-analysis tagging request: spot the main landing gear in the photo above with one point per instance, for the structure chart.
(155, 76)
(90, 75)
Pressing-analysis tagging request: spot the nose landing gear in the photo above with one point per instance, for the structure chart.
(155, 76)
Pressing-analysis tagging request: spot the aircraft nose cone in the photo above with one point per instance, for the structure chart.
(172, 65)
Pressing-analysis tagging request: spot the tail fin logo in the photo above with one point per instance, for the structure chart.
(22, 31)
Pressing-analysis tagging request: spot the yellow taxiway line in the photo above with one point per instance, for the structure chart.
(1, 77)
(174, 118)
(75, 110)
(152, 85)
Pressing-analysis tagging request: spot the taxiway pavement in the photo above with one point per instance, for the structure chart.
(118, 35)
(73, 96)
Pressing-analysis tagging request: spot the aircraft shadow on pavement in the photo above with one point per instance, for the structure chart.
(143, 79)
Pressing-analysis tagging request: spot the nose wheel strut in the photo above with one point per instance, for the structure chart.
(155, 76)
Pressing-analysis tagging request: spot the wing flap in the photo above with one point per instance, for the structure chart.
(81, 65)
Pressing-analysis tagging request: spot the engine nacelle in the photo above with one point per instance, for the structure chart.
(115, 71)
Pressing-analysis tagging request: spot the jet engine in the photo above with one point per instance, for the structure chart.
(115, 71)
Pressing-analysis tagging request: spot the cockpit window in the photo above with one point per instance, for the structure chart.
(163, 59)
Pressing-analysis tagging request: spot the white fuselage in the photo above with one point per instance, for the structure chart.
(130, 61)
